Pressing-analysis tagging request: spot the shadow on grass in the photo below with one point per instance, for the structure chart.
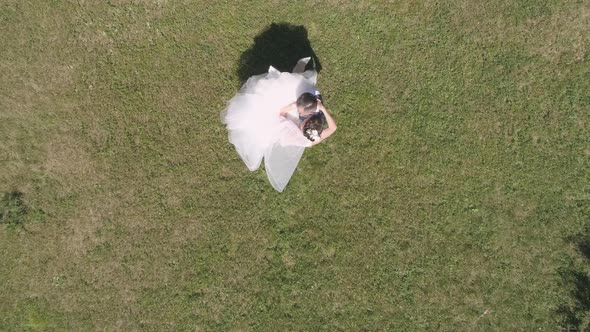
(279, 45)
(16, 214)
(575, 315)
(13, 209)
(582, 242)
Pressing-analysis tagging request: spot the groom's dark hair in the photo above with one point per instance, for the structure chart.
(308, 101)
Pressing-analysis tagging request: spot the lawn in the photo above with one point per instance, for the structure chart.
(455, 195)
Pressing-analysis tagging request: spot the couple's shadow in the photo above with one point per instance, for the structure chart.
(279, 45)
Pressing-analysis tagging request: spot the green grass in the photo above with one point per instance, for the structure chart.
(454, 196)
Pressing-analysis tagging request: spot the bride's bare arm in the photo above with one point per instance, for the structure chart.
(287, 109)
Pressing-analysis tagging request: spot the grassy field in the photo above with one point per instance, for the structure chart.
(455, 195)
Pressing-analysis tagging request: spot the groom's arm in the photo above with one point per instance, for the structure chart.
(331, 122)
(331, 125)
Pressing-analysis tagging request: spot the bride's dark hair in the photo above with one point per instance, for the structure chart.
(308, 101)
(315, 122)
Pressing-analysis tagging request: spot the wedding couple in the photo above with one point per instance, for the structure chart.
(275, 116)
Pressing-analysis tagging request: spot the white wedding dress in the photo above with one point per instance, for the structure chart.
(258, 131)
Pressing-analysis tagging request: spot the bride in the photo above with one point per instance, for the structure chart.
(275, 116)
